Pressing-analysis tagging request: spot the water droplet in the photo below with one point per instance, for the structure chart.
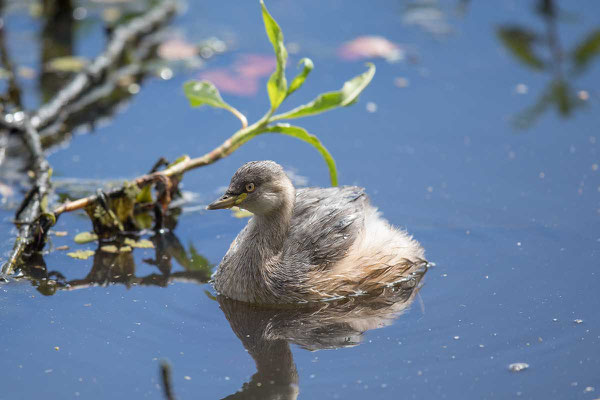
(521, 88)
(371, 107)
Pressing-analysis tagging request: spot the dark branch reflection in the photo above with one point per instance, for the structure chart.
(543, 52)
(57, 39)
(113, 267)
(101, 101)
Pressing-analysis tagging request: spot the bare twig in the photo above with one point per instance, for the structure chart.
(34, 204)
(186, 164)
(32, 217)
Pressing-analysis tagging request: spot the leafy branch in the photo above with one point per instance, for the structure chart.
(115, 212)
(204, 92)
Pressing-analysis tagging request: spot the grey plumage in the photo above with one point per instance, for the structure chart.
(307, 245)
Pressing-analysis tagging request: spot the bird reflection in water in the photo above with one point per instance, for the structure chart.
(267, 332)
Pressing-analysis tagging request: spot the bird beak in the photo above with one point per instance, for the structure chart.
(226, 201)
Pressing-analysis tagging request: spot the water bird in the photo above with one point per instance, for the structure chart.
(309, 244)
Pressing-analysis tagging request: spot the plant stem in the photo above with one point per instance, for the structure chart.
(187, 164)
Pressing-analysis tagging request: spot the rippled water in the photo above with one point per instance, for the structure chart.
(509, 214)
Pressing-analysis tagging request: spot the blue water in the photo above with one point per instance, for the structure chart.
(509, 216)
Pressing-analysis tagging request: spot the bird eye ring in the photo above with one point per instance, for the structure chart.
(249, 187)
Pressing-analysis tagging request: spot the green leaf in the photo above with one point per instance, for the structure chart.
(143, 220)
(277, 85)
(85, 237)
(81, 254)
(301, 134)
(200, 93)
(145, 195)
(299, 80)
(587, 50)
(346, 96)
(519, 42)
(204, 92)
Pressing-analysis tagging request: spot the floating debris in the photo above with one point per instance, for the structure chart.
(111, 248)
(518, 367)
(176, 50)
(371, 107)
(578, 321)
(142, 244)
(5, 190)
(521, 88)
(81, 254)
(85, 237)
(401, 82)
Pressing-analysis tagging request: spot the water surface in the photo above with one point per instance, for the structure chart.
(509, 215)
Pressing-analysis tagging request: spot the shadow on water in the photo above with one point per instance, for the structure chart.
(544, 52)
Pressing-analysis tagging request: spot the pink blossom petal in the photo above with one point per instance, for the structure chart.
(255, 65)
(228, 82)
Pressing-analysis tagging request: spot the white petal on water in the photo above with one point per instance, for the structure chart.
(517, 367)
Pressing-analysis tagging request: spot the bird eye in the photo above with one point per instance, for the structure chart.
(249, 187)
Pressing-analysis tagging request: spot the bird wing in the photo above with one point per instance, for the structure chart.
(324, 224)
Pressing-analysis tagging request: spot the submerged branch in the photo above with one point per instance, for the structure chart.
(33, 217)
(30, 218)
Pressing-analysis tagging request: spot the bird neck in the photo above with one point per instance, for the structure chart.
(248, 274)
(270, 230)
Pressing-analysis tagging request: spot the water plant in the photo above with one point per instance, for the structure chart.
(126, 209)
